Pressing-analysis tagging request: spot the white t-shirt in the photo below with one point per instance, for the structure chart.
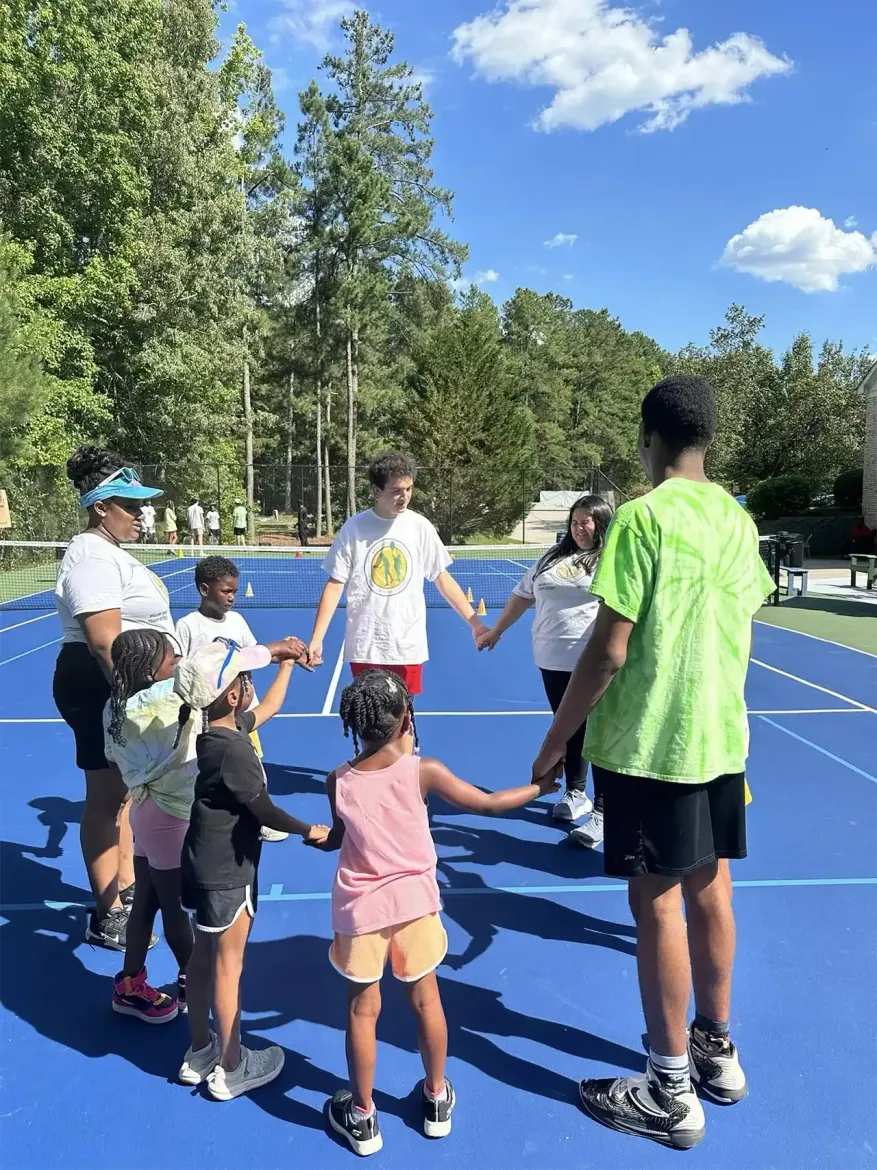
(213, 520)
(195, 630)
(96, 575)
(565, 612)
(195, 514)
(383, 564)
(147, 515)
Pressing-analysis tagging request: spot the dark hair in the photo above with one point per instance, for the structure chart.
(136, 655)
(372, 706)
(89, 466)
(682, 410)
(390, 465)
(214, 569)
(600, 511)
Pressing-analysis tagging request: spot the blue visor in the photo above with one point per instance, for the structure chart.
(124, 483)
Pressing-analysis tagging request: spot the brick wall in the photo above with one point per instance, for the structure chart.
(869, 499)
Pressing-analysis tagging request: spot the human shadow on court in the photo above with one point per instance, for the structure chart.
(483, 917)
(288, 780)
(492, 847)
(291, 978)
(56, 813)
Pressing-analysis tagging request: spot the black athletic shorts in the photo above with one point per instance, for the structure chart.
(214, 911)
(240, 531)
(80, 691)
(659, 827)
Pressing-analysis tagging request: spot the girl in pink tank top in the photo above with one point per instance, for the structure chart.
(385, 900)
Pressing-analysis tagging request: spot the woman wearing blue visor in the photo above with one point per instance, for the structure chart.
(101, 590)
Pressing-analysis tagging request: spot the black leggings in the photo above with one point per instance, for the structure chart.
(575, 768)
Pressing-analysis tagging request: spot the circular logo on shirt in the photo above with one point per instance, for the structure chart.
(159, 584)
(569, 570)
(388, 567)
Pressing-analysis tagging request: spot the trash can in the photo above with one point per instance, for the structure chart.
(791, 549)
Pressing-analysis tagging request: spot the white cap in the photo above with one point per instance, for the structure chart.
(201, 678)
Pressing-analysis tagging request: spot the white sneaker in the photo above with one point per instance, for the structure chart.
(590, 834)
(571, 806)
(272, 834)
(642, 1106)
(258, 1066)
(198, 1064)
(715, 1067)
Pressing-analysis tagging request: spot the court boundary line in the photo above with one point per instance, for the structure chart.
(815, 638)
(489, 714)
(329, 700)
(276, 894)
(815, 686)
(33, 650)
(42, 617)
(822, 751)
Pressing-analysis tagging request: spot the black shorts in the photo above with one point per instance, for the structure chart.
(80, 691)
(216, 910)
(670, 829)
(239, 531)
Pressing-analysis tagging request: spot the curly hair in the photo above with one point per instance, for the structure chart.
(682, 410)
(137, 655)
(373, 705)
(390, 465)
(215, 569)
(89, 466)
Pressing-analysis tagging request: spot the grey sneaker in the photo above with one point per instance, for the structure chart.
(571, 806)
(258, 1066)
(198, 1064)
(272, 834)
(715, 1067)
(590, 834)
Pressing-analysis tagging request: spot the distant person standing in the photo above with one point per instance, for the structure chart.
(302, 524)
(383, 557)
(170, 522)
(195, 517)
(147, 519)
(239, 522)
(214, 531)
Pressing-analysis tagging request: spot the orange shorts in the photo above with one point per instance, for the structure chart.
(413, 948)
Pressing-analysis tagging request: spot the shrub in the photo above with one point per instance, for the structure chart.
(785, 495)
(848, 489)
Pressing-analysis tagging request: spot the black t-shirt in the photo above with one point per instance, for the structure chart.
(223, 846)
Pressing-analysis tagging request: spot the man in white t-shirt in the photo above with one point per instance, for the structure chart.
(195, 517)
(382, 557)
(147, 521)
(213, 524)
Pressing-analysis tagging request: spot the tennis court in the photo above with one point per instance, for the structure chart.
(540, 983)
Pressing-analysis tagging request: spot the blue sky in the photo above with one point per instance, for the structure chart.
(673, 172)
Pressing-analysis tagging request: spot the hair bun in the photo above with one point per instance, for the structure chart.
(88, 464)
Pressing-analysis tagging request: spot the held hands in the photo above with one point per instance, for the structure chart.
(315, 650)
(548, 766)
(479, 631)
(316, 835)
(488, 639)
(550, 783)
(290, 649)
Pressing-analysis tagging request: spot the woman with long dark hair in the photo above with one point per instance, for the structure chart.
(558, 585)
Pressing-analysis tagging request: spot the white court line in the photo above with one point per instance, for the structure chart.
(330, 714)
(333, 685)
(814, 638)
(18, 625)
(815, 686)
(33, 650)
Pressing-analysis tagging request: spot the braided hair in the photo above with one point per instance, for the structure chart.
(137, 655)
(373, 706)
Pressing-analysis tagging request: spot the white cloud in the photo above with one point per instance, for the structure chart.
(802, 248)
(488, 276)
(313, 22)
(561, 240)
(568, 276)
(604, 62)
(464, 283)
(851, 222)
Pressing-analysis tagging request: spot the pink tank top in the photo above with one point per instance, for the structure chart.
(386, 869)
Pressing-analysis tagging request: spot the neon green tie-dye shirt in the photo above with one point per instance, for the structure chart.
(682, 563)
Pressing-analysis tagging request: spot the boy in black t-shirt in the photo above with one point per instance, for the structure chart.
(221, 855)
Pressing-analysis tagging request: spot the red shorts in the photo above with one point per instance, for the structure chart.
(412, 676)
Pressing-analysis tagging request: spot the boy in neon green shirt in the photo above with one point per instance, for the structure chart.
(680, 579)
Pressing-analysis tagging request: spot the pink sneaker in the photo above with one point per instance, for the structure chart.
(132, 996)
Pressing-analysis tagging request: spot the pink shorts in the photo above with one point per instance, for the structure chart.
(157, 835)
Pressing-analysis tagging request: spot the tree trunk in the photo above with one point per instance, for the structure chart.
(352, 399)
(327, 490)
(248, 445)
(290, 419)
(319, 461)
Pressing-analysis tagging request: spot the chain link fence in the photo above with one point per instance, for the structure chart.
(475, 504)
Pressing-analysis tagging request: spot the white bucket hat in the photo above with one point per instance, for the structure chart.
(201, 678)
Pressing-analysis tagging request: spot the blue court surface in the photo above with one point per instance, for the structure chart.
(540, 984)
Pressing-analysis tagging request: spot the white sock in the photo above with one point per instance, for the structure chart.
(443, 1095)
(672, 1069)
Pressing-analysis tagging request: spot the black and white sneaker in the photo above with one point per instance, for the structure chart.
(363, 1133)
(126, 896)
(644, 1107)
(437, 1112)
(715, 1067)
(110, 932)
